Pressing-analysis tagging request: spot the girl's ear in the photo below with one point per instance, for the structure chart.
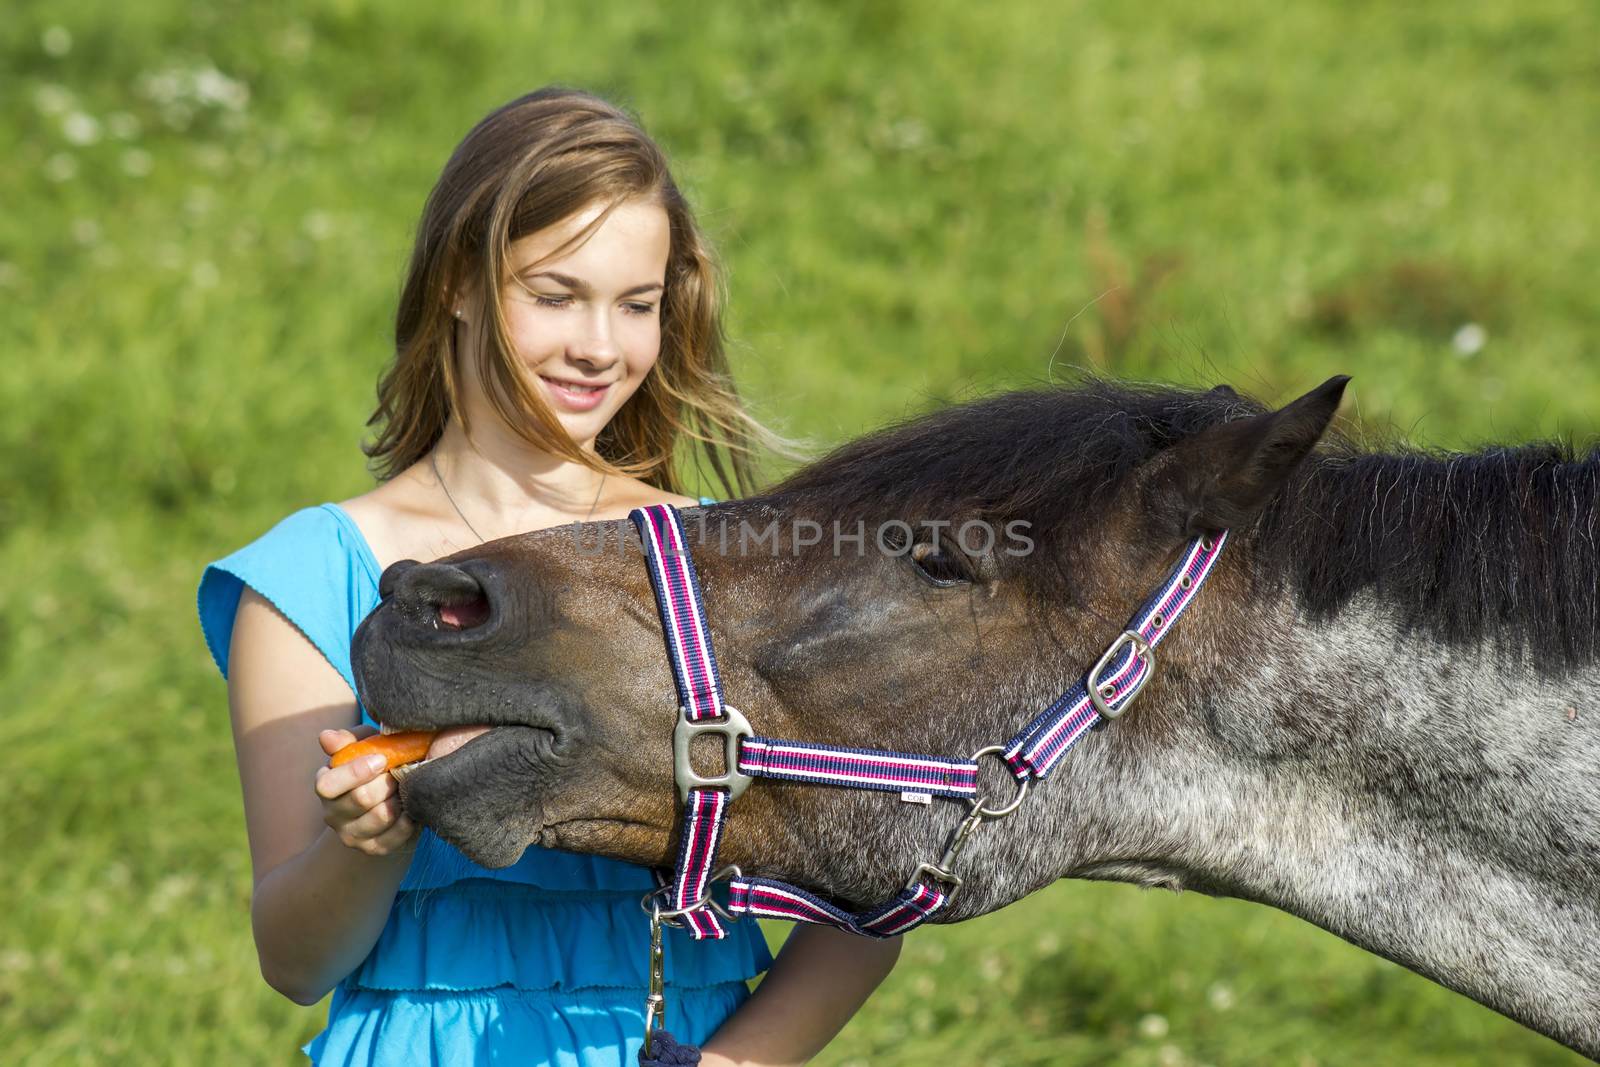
(1221, 478)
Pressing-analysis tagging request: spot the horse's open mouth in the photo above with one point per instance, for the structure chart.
(444, 743)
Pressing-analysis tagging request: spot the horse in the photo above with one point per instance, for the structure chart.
(1381, 714)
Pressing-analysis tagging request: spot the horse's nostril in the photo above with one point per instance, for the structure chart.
(440, 596)
(465, 614)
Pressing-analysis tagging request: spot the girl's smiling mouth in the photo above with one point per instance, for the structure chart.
(576, 396)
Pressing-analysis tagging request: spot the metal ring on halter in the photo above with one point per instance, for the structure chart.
(979, 808)
(669, 916)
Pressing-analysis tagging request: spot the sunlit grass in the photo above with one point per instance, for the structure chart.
(209, 208)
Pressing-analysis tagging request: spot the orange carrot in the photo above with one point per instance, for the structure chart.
(398, 749)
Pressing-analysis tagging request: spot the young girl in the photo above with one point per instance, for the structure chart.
(558, 337)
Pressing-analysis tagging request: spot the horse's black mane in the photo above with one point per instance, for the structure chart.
(1498, 544)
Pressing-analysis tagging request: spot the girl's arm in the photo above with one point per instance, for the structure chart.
(819, 980)
(326, 870)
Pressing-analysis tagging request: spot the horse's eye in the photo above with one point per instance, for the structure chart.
(940, 566)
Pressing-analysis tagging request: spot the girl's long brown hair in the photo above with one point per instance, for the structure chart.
(530, 164)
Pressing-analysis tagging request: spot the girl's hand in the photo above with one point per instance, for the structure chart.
(361, 801)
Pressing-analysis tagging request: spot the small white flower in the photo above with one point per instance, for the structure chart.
(170, 891)
(211, 86)
(161, 86)
(1469, 340)
(294, 43)
(177, 115)
(80, 128)
(52, 99)
(205, 275)
(1153, 1026)
(136, 162)
(9, 274)
(123, 126)
(908, 134)
(1221, 997)
(199, 202)
(211, 157)
(56, 41)
(61, 167)
(85, 231)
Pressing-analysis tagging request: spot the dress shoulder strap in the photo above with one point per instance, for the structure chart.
(314, 567)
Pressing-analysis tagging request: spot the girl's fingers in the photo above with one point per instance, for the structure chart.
(373, 793)
(336, 781)
(373, 823)
(396, 838)
(351, 806)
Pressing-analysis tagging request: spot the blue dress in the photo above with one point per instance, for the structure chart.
(542, 962)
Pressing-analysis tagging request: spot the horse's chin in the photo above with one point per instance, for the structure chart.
(487, 848)
(480, 798)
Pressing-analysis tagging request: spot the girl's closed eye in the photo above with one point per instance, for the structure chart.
(556, 301)
(639, 308)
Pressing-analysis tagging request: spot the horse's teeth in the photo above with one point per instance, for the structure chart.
(404, 769)
(385, 728)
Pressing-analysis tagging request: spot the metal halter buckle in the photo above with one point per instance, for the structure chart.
(1141, 647)
(733, 728)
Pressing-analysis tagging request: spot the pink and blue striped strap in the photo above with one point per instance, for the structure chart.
(694, 670)
(683, 616)
(1038, 747)
(766, 898)
(859, 768)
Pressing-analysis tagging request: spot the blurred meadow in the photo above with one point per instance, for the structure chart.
(207, 212)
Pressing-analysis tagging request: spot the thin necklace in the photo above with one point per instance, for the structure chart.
(433, 461)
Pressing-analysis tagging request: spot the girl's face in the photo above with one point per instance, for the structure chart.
(586, 326)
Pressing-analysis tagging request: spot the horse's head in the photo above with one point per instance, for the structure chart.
(926, 589)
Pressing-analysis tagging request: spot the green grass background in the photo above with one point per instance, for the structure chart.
(207, 210)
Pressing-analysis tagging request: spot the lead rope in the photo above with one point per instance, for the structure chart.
(1104, 693)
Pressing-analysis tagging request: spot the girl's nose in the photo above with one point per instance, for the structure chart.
(597, 346)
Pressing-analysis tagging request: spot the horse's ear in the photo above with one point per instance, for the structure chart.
(1222, 477)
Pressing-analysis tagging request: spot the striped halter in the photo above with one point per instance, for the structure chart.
(1103, 693)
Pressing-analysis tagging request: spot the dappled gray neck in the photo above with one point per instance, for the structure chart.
(1438, 804)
